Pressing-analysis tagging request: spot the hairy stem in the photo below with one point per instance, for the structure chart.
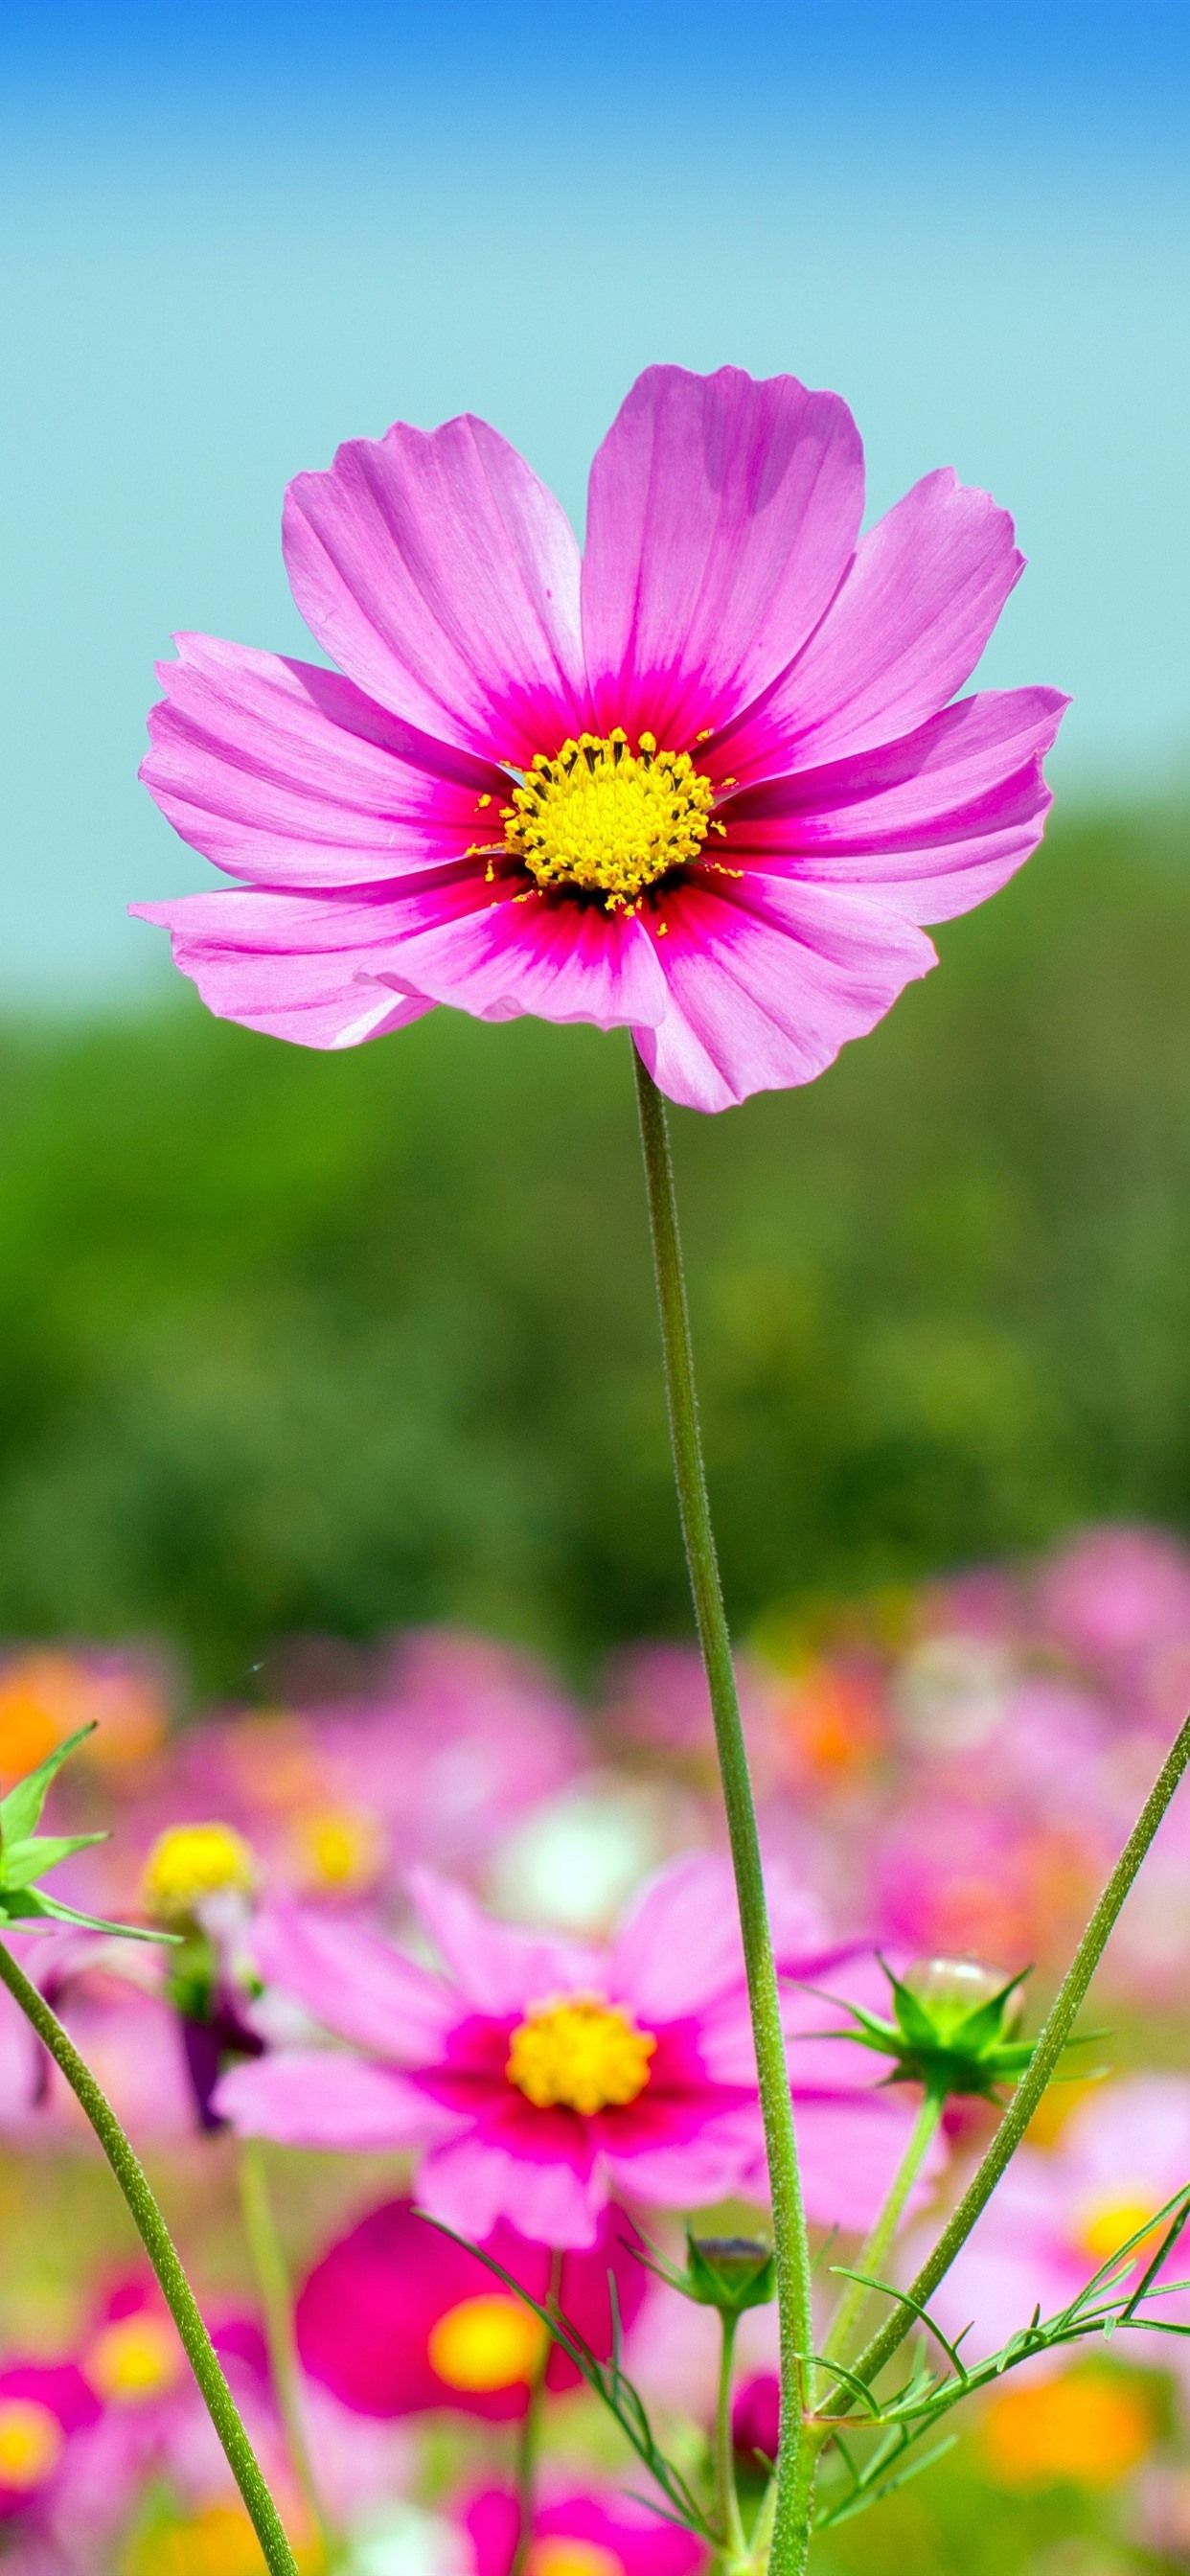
(791, 2248)
(883, 2236)
(727, 2502)
(160, 2248)
(273, 2284)
(528, 2444)
(1042, 2066)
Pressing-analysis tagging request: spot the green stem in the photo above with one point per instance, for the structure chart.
(528, 2446)
(1042, 2066)
(790, 2243)
(273, 2284)
(879, 2244)
(159, 2246)
(726, 2496)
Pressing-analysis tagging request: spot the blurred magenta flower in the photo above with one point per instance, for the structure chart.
(397, 2320)
(703, 783)
(587, 2531)
(43, 2405)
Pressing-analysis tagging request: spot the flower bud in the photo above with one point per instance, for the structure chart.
(952, 2028)
(730, 2273)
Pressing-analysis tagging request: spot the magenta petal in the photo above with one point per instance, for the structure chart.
(561, 960)
(850, 2152)
(679, 1945)
(444, 578)
(718, 2160)
(905, 631)
(767, 980)
(288, 775)
(471, 2183)
(930, 824)
(498, 1968)
(318, 2097)
(722, 515)
(354, 1982)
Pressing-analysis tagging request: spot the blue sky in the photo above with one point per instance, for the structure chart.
(236, 236)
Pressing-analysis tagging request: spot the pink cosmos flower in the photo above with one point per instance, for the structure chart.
(586, 2531)
(541, 2075)
(702, 782)
(397, 2320)
(44, 2406)
(1058, 2215)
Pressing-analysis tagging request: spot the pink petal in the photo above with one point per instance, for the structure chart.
(907, 628)
(849, 2153)
(318, 2097)
(767, 979)
(307, 966)
(288, 775)
(722, 515)
(717, 2162)
(679, 1946)
(471, 2183)
(355, 1983)
(559, 959)
(931, 824)
(444, 578)
(498, 1968)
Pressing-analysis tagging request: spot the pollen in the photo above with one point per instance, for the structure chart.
(602, 819)
(581, 2054)
(190, 1862)
(486, 2343)
(31, 2439)
(135, 2358)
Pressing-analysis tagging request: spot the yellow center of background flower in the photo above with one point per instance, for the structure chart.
(563, 2555)
(601, 819)
(190, 1862)
(1081, 2428)
(1106, 2225)
(135, 2358)
(30, 2441)
(486, 2343)
(216, 2541)
(582, 2054)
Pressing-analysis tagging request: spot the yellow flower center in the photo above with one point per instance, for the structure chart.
(486, 2343)
(1082, 2428)
(216, 2541)
(582, 2054)
(565, 2555)
(338, 1847)
(1106, 2225)
(189, 1862)
(30, 2440)
(601, 819)
(134, 2358)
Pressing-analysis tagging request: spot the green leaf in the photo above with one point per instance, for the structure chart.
(20, 1811)
(29, 1905)
(21, 1863)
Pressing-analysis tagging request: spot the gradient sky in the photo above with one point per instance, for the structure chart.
(235, 236)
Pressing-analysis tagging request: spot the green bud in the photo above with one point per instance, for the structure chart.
(953, 2027)
(730, 2273)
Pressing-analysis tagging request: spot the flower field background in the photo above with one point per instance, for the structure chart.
(297, 1359)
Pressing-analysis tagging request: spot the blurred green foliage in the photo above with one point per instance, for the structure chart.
(293, 1342)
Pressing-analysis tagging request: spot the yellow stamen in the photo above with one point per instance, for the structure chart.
(1105, 2225)
(601, 819)
(1083, 2429)
(31, 2439)
(135, 2358)
(562, 2553)
(189, 1862)
(486, 2343)
(338, 1847)
(582, 2054)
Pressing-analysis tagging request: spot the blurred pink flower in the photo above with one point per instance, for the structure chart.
(587, 2531)
(44, 2407)
(1059, 2214)
(1118, 1601)
(704, 784)
(396, 2319)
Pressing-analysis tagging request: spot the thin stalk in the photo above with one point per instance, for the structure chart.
(883, 2236)
(528, 2444)
(163, 2255)
(726, 2496)
(1041, 2067)
(790, 2243)
(276, 2299)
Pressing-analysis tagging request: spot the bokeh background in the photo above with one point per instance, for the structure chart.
(306, 1348)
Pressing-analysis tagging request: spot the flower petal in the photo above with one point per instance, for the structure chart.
(354, 1983)
(906, 629)
(444, 578)
(691, 2172)
(320, 2097)
(679, 1945)
(930, 824)
(289, 776)
(850, 2152)
(498, 1968)
(306, 966)
(561, 959)
(723, 513)
(767, 980)
(470, 2183)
